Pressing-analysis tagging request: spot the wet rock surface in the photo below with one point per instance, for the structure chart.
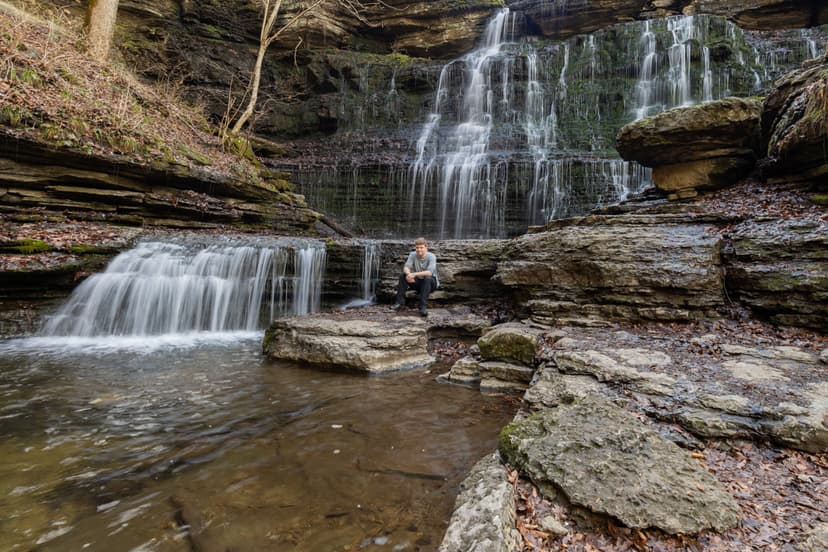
(779, 268)
(607, 460)
(730, 394)
(710, 385)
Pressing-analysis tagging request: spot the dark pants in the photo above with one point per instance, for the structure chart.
(424, 287)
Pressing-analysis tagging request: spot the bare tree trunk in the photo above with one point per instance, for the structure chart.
(256, 79)
(100, 27)
(269, 33)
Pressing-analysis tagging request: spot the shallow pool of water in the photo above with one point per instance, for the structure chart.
(198, 442)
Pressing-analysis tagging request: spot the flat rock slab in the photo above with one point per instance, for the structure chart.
(350, 343)
(606, 460)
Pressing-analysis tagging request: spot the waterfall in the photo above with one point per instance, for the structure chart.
(492, 147)
(679, 53)
(167, 287)
(644, 87)
(707, 79)
(369, 276)
(810, 46)
(463, 168)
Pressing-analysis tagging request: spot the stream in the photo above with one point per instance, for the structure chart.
(196, 441)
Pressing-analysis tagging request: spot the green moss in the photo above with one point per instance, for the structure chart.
(83, 249)
(25, 75)
(14, 116)
(820, 199)
(30, 246)
(195, 156)
(513, 433)
(239, 145)
(400, 59)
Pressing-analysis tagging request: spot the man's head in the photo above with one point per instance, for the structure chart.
(421, 247)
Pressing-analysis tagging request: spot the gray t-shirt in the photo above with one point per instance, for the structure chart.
(428, 262)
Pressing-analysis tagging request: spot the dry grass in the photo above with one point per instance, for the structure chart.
(52, 91)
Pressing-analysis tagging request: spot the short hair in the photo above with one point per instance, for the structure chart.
(420, 241)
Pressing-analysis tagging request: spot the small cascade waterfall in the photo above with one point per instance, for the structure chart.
(370, 270)
(522, 129)
(178, 287)
(368, 275)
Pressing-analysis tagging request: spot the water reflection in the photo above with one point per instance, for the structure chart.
(203, 444)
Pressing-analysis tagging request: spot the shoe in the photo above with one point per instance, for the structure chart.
(424, 312)
(396, 306)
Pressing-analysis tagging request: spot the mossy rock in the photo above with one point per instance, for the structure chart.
(26, 247)
(510, 343)
(820, 199)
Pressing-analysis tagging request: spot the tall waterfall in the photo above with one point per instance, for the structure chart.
(177, 287)
(522, 129)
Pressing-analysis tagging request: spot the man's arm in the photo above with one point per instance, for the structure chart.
(431, 269)
(409, 264)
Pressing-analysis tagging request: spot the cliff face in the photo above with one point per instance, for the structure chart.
(561, 19)
(348, 101)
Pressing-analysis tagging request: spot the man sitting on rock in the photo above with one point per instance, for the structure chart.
(419, 273)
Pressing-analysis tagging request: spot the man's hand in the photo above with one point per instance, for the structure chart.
(410, 278)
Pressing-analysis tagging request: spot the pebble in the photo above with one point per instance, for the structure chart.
(552, 525)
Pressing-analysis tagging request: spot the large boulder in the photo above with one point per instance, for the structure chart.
(605, 459)
(706, 146)
(795, 126)
(600, 268)
(350, 343)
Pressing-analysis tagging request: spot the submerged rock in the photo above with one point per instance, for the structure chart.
(348, 343)
(606, 460)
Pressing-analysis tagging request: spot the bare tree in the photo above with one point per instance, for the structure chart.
(100, 27)
(271, 30)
